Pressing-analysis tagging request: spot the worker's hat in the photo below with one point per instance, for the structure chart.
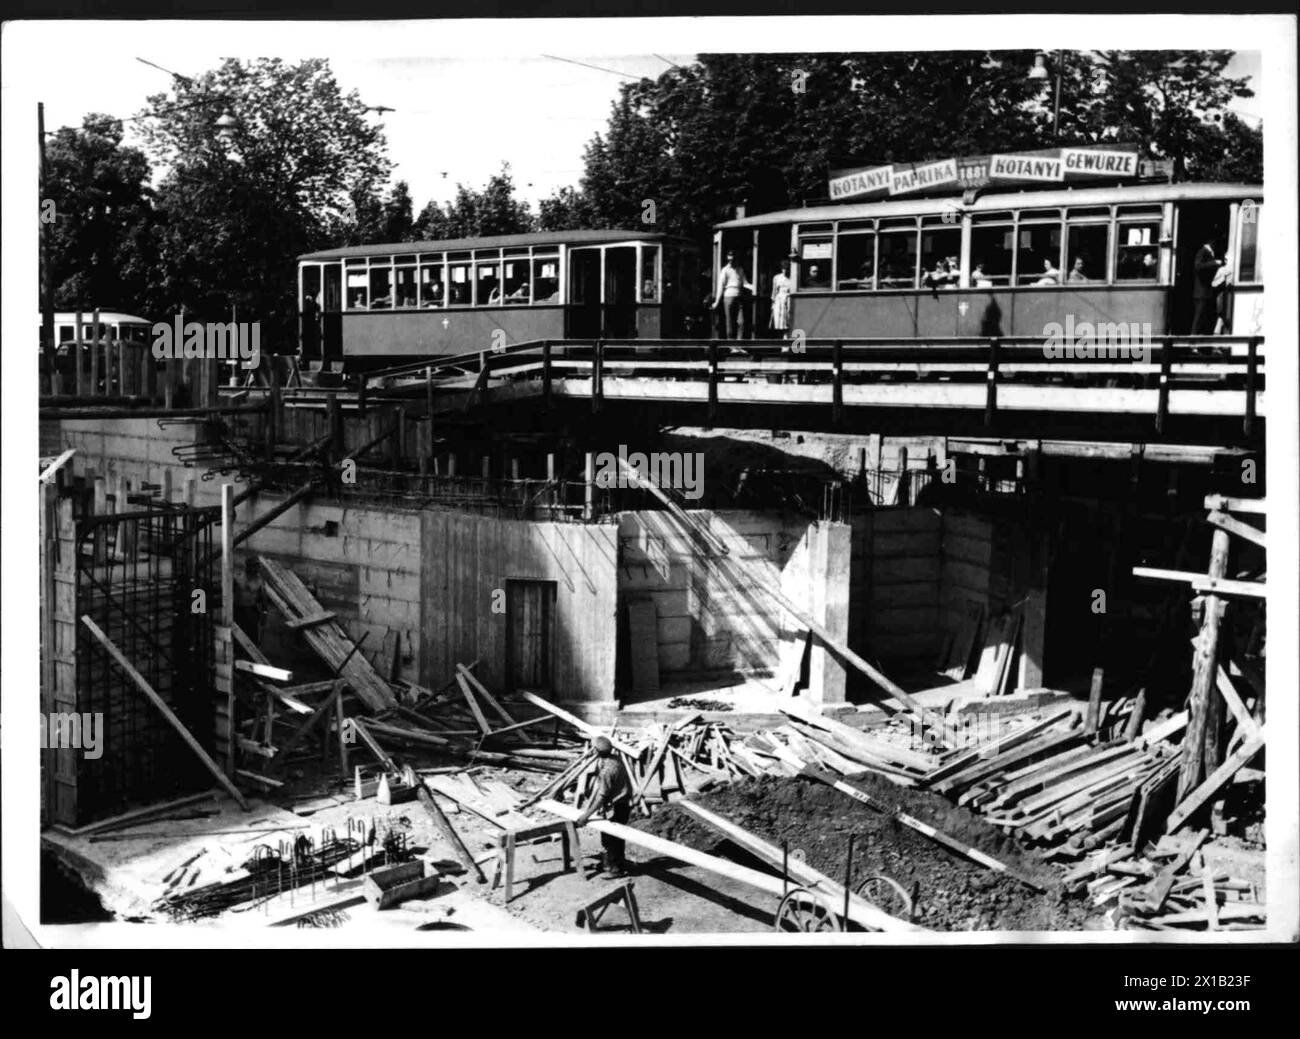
(603, 747)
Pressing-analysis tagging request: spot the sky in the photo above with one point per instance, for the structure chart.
(456, 119)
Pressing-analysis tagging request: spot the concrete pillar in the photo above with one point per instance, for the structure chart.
(827, 595)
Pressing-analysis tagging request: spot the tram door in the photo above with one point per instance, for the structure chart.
(332, 312)
(620, 291)
(583, 316)
(1198, 222)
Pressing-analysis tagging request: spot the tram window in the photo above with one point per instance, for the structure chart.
(432, 289)
(897, 260)
(990, 256)
(1087, 246)
(1137, 251)
(941, 258)
(357, 291)
(1038, 252)
(516, 280)
(458, 275)
(856, 257)
(487, 278)
(405, 286)
(381, 287)
(546, 279)
(66, 333)
(815, 263)
(649, 274)
(1250, 269)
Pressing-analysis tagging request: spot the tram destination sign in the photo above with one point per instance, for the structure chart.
(1049, 165)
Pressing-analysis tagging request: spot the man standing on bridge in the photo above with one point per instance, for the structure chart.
(613, 795)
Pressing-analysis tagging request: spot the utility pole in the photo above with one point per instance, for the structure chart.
(47, 276)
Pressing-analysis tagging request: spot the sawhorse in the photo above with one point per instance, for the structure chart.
(590, 914)
(511, 838)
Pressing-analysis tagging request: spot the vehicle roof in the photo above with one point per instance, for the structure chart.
(106, 317)
(994, 201)
(493, 242)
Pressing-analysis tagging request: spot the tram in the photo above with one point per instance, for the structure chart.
(366, 307)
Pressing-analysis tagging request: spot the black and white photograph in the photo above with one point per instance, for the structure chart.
(636, 482)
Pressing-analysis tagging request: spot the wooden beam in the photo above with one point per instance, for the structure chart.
(475, 709)
(866, 916)
(321, 711)
(483, 692)
(1229, 693)
(1094, 700)
(1221, 775)
(1203, 583)
(274, 674)
(1204, 667)
(1218, 502)
(1234, 526)
(590, 731)
(248, 645)
(306, 622)
(426, 800)
(142, 684)
(48, 474)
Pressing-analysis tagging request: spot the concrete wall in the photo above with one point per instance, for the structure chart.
(468, 558)
(717, 618)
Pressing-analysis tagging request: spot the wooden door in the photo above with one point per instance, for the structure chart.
(530, 634)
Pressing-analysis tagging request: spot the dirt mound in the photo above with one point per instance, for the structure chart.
(952, 893)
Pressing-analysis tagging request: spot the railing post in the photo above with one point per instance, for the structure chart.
(713, 382)
(588, 479)
(991, 389)
(1166, 366)
(598, 376)
(546, 373)
(837, 392)
(1252, 380)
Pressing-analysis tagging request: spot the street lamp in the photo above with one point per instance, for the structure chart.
(1039, 73)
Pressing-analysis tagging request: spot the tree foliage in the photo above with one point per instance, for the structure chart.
(474, 214)
(102, 238)
(766, 130)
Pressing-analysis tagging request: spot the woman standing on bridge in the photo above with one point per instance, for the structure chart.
(781, 300)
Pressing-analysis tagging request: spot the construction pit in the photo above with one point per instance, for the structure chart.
(378, 731)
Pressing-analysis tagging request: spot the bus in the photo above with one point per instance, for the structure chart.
(371, 306)
(961, 266)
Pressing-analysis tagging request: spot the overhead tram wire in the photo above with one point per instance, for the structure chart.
(598, 68)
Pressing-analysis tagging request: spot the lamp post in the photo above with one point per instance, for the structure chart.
(1039, 72)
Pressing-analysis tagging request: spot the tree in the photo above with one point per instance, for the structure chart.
(566, 210)
(296, 176)
(765, 131)
(475, 214)
(103, 248)
(1173, 103)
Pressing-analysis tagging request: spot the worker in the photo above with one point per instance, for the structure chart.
(611, 795)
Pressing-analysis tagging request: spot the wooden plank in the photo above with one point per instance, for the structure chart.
(1204, 668)
(878, 749)
(1158, 890)
(308, 622)
(47, 474)
(1235, 526)
(1220, 776)
(473, 705)
(590, 731)
(248, 645)
(273, 674)
(426, 800)
(1244, 720)
(859, 911)
(1217, 502)
(1093, 721)
(141, 684)
(1204, 583)
(491, 700)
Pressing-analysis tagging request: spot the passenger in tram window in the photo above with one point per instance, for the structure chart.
(1050, 276)
(1204, 310)
(433, 294)
(732, 283)
(547, 289)
(979, 279)
(1076, 271)
(781, 287)
(954, 272)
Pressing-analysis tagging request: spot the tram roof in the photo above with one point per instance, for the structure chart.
(994, 201)
(508, 241)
